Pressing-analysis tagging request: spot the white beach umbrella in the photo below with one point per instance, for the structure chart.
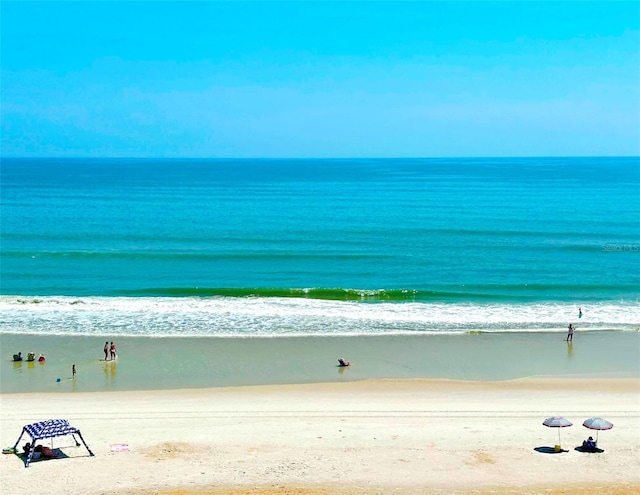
(557, 422)
(597, 424)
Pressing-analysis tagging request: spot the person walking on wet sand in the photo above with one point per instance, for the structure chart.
(73, 371)
(106, 350)
(113, 351)
(570, 334)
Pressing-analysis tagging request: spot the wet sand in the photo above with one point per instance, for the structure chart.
(146, 363)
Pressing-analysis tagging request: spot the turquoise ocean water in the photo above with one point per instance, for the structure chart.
(295, 247)
(212, 273)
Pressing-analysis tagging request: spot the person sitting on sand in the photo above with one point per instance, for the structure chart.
(44, 451)
(17, 357)
(589, 444)
(41, 358)
(31, 356)
(342, 362)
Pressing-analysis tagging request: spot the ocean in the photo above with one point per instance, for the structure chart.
(299, 248)
(308, 247)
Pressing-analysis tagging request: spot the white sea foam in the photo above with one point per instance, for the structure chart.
(273, 317)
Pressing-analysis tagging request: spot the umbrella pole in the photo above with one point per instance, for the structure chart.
(559, 443)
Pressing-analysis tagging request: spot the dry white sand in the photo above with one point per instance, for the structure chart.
(373, 437)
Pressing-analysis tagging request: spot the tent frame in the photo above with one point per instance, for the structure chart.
(50, 428)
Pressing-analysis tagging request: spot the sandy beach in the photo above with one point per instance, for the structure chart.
(365, 437)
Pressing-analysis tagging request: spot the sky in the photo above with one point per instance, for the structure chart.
(319, 79)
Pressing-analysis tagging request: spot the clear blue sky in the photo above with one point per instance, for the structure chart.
(320, 79)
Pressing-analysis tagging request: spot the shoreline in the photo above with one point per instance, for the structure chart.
(146, 363)
(552, 383)
(368, 437)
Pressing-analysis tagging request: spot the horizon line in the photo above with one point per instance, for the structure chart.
(399, 157)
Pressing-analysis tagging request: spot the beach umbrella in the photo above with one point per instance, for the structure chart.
(557, 422)
(597, 424)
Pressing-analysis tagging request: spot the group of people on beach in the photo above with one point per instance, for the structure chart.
(39, 450)
(109, 351)
(110, 354)
(31, 356)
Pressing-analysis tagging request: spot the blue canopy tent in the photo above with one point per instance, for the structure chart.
(50, 428)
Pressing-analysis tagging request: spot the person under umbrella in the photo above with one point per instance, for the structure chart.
(595, 424)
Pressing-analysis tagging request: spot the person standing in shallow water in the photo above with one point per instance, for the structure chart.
(570, 334)
(113, 351)
(106, 350)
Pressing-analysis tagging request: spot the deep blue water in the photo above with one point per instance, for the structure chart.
(479, 232)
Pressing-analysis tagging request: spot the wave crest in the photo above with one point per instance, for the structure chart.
(259, 316)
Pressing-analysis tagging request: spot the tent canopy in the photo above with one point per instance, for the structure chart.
(50, 428)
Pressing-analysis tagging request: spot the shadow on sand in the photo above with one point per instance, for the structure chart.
(596, 450)
(549, 450)
(58, 454)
